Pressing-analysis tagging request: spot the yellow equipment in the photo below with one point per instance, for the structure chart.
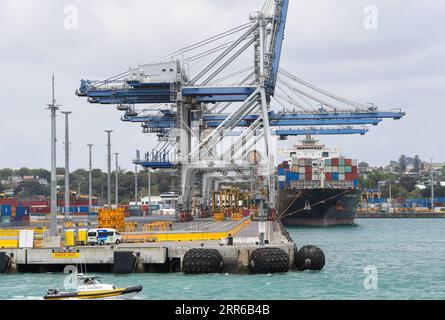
(230, 203)
(82, 237)
(112, 219)
(69, 238)
(157, 226)
(131, 226)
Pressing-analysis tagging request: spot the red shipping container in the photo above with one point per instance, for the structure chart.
(355, 176)
(348, 162)
(348, 176)
(328, 176)
(286, 163)
(12, 202)
(308, 170)
(334, 162)
(280, 166)
(308, 177)
(354, 169)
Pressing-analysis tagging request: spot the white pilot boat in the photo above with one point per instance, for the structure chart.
(90, 287)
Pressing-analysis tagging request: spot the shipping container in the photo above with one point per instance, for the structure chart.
(334, 169)
(328, 162)
(328, 176)
(281, 178)
(292, 176)
(281, 172)
(348, 176)
(6, 210)
(11, 202)
(341, 162)
(354, 162)
(281, 185)
(341, 170)
(348, 169)
(335, 176)
(354, 169)
(334, 162)
(22, 211)
(348, 162)
(302, 177)
(341, 177)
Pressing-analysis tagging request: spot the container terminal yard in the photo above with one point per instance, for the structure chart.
(216, 125)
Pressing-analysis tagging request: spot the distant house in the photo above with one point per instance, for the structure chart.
(15, 179)
(42, 181)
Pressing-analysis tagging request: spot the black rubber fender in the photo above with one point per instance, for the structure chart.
(310, 258)
(4, 262)
(202, 261)
(124, 262)
(269, 260)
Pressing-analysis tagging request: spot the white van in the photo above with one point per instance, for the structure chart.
(103, 236)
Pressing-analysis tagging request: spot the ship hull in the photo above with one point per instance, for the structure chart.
(318, 207)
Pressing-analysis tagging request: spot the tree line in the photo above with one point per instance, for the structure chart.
(161, 181)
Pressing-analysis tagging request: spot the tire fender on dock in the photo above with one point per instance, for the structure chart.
(124, 262)
(202, 261)
(309, 258)
(269, 260)
(4, 262)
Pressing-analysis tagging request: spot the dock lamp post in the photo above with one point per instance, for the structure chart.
(109, 168)
(67, 165)
(90, 177)
(53, 109)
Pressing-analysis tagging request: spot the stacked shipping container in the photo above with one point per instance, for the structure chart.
(334, 171)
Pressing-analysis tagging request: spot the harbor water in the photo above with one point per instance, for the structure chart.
(376, 259)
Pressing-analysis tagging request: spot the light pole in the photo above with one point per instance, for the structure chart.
(67, 164)
(149, 188)
(117, 178)
(53, 108)
(136, 184)
(90, 177)
(109, 168)
(432, 186)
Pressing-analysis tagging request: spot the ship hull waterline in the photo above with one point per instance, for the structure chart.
(318, 207)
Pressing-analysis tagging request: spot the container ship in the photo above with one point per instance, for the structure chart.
(317, 186)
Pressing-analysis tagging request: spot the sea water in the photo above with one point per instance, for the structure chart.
(376, 259)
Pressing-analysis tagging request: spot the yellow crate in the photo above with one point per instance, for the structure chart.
(9, 244)
(82, 236)
(9, 233)
(69, 238)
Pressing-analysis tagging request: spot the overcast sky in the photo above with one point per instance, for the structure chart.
(399, 65)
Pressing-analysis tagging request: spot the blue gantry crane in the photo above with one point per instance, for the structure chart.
(213, 102)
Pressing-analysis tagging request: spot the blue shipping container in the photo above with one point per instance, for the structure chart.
(356, 183)
(281, 172)
(335, 176)
(281, 185)
(22, 211)
(292, 176)
(84, 209)
(6, 210)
